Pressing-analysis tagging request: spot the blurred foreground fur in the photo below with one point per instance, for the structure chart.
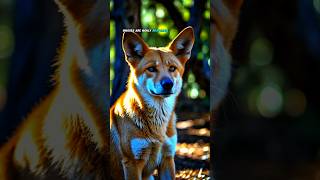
(224, 23)
(65, 136)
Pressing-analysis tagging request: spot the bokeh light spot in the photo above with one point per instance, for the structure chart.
(188, 3)
(205, 49)
(204, 35)
(173, 33)
(270, 101)
(202, 93)
(160, 13)
(163, 27)
(261, 52)
(186, 14)
(295, 102)
(7, 41)
(206, 14)
(191, 78)
(316, 4)
(112, 54)
(112, 30)
(194, 93)
(111, 4)
(199, 56)
(147, 18)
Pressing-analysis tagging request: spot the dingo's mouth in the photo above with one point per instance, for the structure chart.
(166, 94)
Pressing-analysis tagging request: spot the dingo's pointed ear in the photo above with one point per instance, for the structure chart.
(182, 44)
(133, 47)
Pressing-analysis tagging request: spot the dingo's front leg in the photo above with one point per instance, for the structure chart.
(167, 166)
(132, 169)
(167, 169)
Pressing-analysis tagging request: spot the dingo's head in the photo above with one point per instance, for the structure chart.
(158, 71)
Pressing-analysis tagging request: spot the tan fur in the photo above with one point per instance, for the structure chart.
(65, 136)
(138, 114)
(224, 23)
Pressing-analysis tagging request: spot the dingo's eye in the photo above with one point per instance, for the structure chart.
(152, 69)
(172, 68)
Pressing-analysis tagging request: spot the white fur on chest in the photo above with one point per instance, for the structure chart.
(160, 111)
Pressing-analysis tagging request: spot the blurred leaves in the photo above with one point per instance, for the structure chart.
(269, 92)
(6, 46)
(7, 41)
(261, 52)
(316, 4)
(265, 93)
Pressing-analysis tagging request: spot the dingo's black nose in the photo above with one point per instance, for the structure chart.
(166, 84)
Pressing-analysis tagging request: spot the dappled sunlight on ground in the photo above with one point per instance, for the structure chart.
(193, 149)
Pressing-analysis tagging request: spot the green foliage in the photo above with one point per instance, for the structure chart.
(316, 4)
(6, 45)
(6, 41)
(112, 52)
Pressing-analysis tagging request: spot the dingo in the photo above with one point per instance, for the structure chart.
(143, 132)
